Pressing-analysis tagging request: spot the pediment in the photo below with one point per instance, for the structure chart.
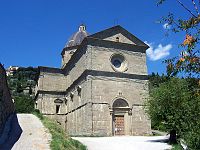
(118, 34)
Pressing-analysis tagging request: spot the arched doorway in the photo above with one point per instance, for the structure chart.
(120, 108)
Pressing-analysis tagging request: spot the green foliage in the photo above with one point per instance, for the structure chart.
(21, 84)
(188, 62)
(23, 78)
(166, 101)
(24, 104)
(60, 141)
(38, 114)
(177, 147)
(155, 80)
(192, 137)
(175, 105)
(184, 96)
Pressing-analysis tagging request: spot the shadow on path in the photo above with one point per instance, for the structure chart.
(14, 133)
(159, 140)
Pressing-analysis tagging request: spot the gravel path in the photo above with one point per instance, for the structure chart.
(34, 136)
(125, 143)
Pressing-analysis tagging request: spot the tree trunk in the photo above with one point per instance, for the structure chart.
(173, 138)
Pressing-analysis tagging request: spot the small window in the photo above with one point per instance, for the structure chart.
(66, 100)
(72, 96)
(72, 52)
(117, 39)
(117, 63)
(36, 106)
(79, 91)
(57, 109)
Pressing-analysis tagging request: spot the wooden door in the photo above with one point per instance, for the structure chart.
(119, 125)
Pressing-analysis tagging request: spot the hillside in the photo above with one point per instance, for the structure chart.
(22, 84)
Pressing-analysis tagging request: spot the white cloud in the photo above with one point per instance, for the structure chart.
(159, 52)
(166, 26)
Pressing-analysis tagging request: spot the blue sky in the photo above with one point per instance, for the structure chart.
(34, 32)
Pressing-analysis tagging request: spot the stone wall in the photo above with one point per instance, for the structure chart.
(141, 124)
(51, 82)
(46, 105)
(93, 107)
(77, 64)
(90, 85)
(107, 90)
(6, 103)
(101, 119)
(79, 121)
(66, 56)
(91, 119)
(101, 56)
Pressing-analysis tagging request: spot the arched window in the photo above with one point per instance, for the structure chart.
(120, 103)
(117, 39)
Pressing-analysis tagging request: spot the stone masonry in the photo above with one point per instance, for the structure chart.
(100, 88)
(6, 103)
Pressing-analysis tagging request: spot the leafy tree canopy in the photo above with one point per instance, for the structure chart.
(22, 84)
(188, 62)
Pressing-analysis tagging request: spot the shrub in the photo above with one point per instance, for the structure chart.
(175, 106)
(24, 104)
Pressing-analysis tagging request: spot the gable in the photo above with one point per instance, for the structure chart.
(119, 37)
(117, 31)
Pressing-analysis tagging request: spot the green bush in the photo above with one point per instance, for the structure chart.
(177, 147)
(24, 104)
(175, 106)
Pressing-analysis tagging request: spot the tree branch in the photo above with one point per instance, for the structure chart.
(195, 6)
(186, 8)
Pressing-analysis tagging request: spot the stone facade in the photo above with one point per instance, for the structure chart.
(6, 103)
(100, 88)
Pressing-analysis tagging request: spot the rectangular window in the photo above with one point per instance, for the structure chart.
(57, 109)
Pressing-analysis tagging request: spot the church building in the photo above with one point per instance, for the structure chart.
(101, 86)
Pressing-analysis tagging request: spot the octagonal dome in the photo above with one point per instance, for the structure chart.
(78, 37)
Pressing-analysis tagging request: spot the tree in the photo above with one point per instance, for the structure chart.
(155, 80)
(175, 106)
(188, 61)
(24, 104)
(23, 79)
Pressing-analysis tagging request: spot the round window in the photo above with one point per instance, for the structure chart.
(118, 62)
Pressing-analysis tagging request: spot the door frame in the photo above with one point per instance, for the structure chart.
(114, 124)
(120, 107)
(119, 112)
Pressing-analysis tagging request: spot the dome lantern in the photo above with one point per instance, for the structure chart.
(82, 27)
(78, 37)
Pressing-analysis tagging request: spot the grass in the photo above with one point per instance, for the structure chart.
(60, 140)
(177, 147)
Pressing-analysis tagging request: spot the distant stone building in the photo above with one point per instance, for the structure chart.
(6, 103)
(11, 70)
(101, 86)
